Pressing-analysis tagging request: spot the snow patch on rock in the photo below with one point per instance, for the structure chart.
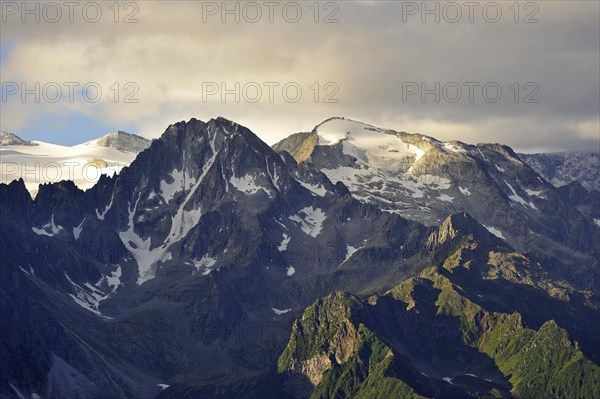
(517, 198)
(50, 229)
(246, 184)
(495, 232)
(77, 230)
(89, 297)
(350, 250)
(206, 262)
(310, 220)
(180, 182)
(464, 191)
(532, 192)
(318, 190)
(284, 243)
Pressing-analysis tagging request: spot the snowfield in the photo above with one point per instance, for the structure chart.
(310, 220)
(369, 144)
(51, 163)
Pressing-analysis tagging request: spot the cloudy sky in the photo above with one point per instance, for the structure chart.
(525, 75)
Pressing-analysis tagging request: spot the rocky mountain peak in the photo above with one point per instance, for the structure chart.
(427, 180)
(17, 195)
(7, 138)
(459, 228)
(121, 141)
(210, 233)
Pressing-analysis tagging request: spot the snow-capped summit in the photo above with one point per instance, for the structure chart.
(414, 175)
(395, 169)
(369, 147)
(121, 141)
(426, 180)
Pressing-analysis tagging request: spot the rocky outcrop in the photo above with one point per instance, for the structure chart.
(299, 145)
(563, 168)
(485, 326)
(7, 138)
(124, 142)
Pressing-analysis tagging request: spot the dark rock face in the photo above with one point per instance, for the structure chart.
(203, 248)
(188, 268)
(483, 321)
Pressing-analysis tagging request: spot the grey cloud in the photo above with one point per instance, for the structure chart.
(369, 54)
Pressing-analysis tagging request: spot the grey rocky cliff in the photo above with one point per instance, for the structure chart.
(563, 168)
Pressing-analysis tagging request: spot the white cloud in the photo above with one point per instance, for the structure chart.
(589, 130)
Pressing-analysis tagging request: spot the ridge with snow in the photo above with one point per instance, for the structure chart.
(38, 162)
(426, 180)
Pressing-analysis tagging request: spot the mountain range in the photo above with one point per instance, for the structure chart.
(349, 261)
(423, 179)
